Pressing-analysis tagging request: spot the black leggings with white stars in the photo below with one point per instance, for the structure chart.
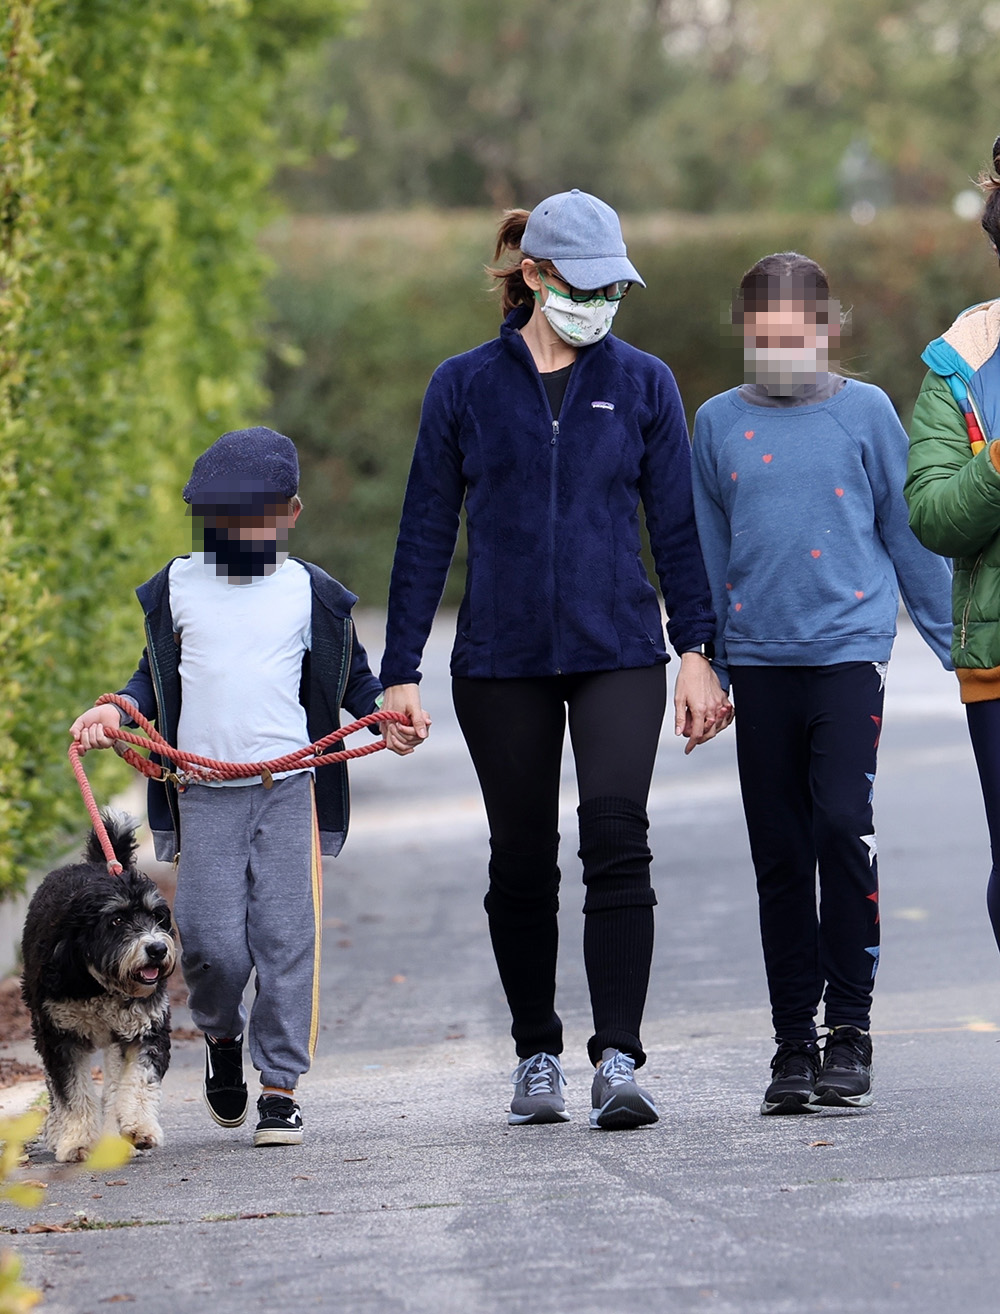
(807, 742)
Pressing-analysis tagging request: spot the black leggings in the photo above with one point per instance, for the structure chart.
(984, 731)
(514, 730)
(806, 743)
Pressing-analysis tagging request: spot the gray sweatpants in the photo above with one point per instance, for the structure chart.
(249, 895)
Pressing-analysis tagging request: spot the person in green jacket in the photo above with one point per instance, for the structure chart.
(953, 491)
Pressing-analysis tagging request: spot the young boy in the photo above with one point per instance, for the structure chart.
(250, 654)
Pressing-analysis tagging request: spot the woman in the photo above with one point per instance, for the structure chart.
(953, 489)
(798, 479)
(551, 435)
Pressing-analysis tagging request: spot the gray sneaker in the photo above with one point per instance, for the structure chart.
(618, 1102)
(538, 1083)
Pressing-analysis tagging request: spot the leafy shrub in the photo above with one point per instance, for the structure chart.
(135, 149)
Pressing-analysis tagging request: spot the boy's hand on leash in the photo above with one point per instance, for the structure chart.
(88, 729)
(403, 739)
(701, 709)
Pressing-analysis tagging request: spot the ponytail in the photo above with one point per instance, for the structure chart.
(508, 278)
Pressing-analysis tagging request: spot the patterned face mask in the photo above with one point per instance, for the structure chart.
(578, 323)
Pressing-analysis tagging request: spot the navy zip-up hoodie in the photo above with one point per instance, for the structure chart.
(335, 673)
(556, 582)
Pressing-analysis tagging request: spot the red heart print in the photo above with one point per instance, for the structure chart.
(733, 475)
(768, 458)
(749, 433)
(839, 492)
(729, 587)
(739, 606)
(859, 594)
(816, 552)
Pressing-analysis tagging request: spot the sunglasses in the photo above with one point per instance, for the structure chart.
(613, 292)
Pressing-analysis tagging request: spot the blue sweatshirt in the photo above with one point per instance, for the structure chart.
(556, 582)
(805, 532)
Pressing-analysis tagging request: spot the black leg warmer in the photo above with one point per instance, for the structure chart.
(618, 927)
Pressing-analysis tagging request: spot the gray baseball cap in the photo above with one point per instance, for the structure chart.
(582, 237)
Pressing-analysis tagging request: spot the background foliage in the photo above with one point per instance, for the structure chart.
(684, 104)
(366, 308)
(136, 144)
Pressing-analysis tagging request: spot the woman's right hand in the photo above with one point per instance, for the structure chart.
(88, 729)
(405, 698)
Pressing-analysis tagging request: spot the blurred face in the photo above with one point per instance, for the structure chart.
(788, 324)
(786, 345)
(270, 524)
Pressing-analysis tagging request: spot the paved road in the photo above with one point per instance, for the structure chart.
(411, 1193)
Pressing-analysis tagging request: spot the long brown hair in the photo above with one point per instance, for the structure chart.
(508, 277)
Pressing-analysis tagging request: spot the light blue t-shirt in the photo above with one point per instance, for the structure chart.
(805, 532)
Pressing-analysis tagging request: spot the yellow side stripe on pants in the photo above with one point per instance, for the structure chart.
(317, 896)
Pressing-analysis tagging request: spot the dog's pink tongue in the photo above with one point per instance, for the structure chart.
(150, 974)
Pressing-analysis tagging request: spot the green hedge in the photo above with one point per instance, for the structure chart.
(364, 308)
(136, 144)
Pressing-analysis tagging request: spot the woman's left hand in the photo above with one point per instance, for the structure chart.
(701, 709)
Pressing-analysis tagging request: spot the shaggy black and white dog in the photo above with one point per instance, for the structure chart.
(97, 952)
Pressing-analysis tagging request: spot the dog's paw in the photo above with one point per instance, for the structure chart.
(144, 1137)
(68, 1150)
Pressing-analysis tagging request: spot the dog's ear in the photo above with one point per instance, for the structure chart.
(65, 969)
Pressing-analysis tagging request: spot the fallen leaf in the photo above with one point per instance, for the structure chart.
(49, 1227)
(814, 1144)
(120, 1182)
(455, 1035)
(301, 1177)
(122, 1295)
(363, 1159)
(398, 980)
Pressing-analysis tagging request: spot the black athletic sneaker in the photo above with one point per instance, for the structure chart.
(225, 1090)
(846, 1079)
(279, 1121)
(794, 1069)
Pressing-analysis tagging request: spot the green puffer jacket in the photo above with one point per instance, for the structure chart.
(954, 499)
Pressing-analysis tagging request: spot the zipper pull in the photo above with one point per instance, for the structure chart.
(555, 432)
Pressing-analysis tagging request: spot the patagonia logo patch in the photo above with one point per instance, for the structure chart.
(603, 406)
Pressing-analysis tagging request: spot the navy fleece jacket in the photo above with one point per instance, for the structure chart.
(805, 531)
(555, 581)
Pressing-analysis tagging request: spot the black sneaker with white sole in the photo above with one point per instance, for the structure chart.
(794, 1072)
(619, 1103)
(225, 1090)
(279, 1121)
(846, 1079)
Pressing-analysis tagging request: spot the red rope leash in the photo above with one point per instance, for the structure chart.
(193, 769)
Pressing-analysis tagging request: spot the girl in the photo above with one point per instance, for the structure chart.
(551, 435)
(798, 480)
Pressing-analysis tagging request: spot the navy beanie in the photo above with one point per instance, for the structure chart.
(244, 468)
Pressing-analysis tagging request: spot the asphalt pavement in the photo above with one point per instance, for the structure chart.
(410, 1192)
